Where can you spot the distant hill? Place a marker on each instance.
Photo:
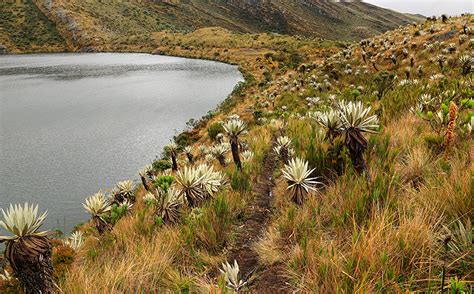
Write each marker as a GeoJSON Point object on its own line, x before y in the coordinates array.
{"type": "Point", "coordinates": [84, 23]}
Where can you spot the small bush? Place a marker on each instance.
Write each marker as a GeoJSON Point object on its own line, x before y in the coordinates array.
{"type": "Point", "coordinates": [257, 114]}
{"type": "Point", "coordinates": [186, 138]}
{"type": "Point", "coordinates": [116, 213]}
{"type": "Point", "coordinates": [62, 258]}
{"type": "Point", "coordinates": [163, 182]}
{"type": "Point", "coordinates": [435, 143]}
{"type": "Point", "coordinates": [210, 229]}
{"type": "Point", "coordinates": [214, 129]}
{"type": "Point", "coordinates": [268, 55]}
{"type": "Point", "coordinates": [384, 82]}
{"type": "Point", "coordinates": [161, 164]}
{"type": "Point", "coordinates": [295, 59]}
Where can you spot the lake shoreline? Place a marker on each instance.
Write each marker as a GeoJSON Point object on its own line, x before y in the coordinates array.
{"type": "Point", "coordinates": [218, 102]}
{"type": "Point", "coordinates": [242, 57]}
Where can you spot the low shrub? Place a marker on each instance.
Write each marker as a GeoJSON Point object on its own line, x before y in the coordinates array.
{"type": "Point", "coordinates": [62, 257]}
{"type": "Point", "coordinates": [161, 164]}
{"type": "Point", "coordinates": [163, 182]}
{"type": "Point", "coordinates": [209, 228]}
{"type": "Point", "coordinates": [214, 129]}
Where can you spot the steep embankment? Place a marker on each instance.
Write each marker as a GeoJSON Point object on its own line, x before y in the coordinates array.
{"type": "Point", "coordinates": [91, 24]}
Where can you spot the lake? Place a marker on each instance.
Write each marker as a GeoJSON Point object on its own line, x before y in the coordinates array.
{"type": "Point", "coordinates": [71, 124]}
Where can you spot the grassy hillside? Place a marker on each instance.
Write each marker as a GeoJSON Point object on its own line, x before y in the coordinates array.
{"type": "Point", "coordinates": [89, 24]}
{"type": "Point", "coordinates": [24, 28]}
{"type": "Point", "coordinates": [381, 202]}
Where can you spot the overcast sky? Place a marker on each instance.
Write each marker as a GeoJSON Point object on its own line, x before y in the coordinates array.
{"type": "Point", "coordinates": [428, 7]}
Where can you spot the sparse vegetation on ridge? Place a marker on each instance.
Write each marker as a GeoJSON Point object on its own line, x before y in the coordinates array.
{"type": "Point", "coordinates": [47, 25]}
{"type": "Point", "coordinates": [393, 152]}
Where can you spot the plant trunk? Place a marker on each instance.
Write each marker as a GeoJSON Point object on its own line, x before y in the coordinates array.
{"type": "Point", "coordinates": [447, 239]}
{"type": "Point", "coordinates": [30, 259]}
{"type": "Point", "coordinates": [190, 200]}
{"type": "Point", "coordinates": [234, 144]}
{"type": "Point", "coordinates": [358, 161]}
{"type": "Point", "coordinates": [175, 164]}
{"type": "Point", "coordinates": [298, 194]}
{"type": "Point", "coordinates": [357, 144]}
{"type": "Point", "coordinates": [222, 161]}
{"type": "Point", "coordinates": [375, 66]}
{"type": "Point", "coordinates": [284, 155]}
{"type": "Point", "coordinates": [190, 158]}
{"type": "Point", "coordinates": [145, 185]}
{"type": "Point", "coordinates": [100, 225]}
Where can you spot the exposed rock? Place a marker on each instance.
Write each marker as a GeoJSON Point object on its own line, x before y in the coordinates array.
{"type": "Point", "coordinates": [69, 23]}
{"type": "Point", "coordinates": [3, 49]}
{"type": "Point", "coordinates": [89, 49]}
{"type": "Point", "coordinates": [48, 4]}
{"type": "Point", "coordinates": [444, 36]}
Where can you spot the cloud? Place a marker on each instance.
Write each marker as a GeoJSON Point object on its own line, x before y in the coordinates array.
{"type": "Point", "coordinates": [427, 7]}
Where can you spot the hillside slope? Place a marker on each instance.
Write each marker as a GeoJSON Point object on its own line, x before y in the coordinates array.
{"type": "Point", "coordinates": [376, 137]}
{"type": "Point", "coordinates": [24, 28]}
{"type": "Point", "coordinates": [91, 23]}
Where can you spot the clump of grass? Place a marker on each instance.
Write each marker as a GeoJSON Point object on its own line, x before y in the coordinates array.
{"type": "Point", "coordinates": [448, 191]}
{"type": "Point", "coordinates": [415, 165]}
{"type": "Point", "coordinates": [209, 228]}
{"type": "Point", "coordinates": [268, 248]}
{"type": "Point", "coordinates": [240, 181]}
{"type": "Point", "coordinates": [134, 258]}
{"type": "Point", "coordinates": [320, 263]}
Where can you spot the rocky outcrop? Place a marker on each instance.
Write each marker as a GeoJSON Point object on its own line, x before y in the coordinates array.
{"type": "Point", "coordinates": [65, 23]}
{"type": "Point", "coordinates": [3, 49]}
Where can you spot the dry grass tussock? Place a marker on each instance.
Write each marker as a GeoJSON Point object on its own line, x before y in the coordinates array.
{"type": "Point", "coordinates": [129, 265]}
{"type": "Point", "coordinates": [268, 248]}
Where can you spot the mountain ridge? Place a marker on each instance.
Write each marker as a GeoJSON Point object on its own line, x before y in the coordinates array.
{"type": "Point", "coordinates": [91, 23]}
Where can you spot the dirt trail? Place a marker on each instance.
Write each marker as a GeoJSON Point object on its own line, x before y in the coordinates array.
{"type": "Point", "coordinates": [268, 279]}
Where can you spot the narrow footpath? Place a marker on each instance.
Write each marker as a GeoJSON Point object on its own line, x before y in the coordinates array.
{"type": "Point", "coordinates": [264, 279]}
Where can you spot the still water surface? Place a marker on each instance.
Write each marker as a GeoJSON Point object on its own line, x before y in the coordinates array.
{"type": "Point", "coordinates": [71, 124]}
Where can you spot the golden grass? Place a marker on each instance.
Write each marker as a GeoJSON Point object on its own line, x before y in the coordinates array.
{"type": "Point", "coordinates": [268, 248]}
{"type": "Point", "coordinates": [451, 192]}
{"type": "Point", "coordinates": [415, 165]}
{"type": "Point", "coordinates": [132, 264]}
{"type": "Point", "coordinates": [381, 236]}
{"type": "Point", "coordinates": [405, 132]}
